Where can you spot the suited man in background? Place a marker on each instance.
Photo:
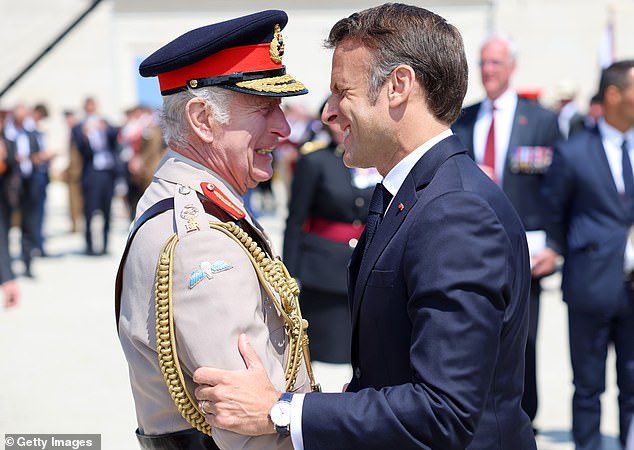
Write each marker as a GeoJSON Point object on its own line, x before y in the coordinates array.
{"type": "Point", "coordinates": [41, 168]}
{"type": "Point", "coordinates": [9, 179]}
{"type": "Point", "coordinates": [96, 141]}
{"type": "Point", "coordinates": [589, 190]}
{"type": "Point", "coordinates": [514, 149]}
{"type": "Point", "coordinates": [21, 135]}
{"type": "Point", "coordinates": [439, 274]}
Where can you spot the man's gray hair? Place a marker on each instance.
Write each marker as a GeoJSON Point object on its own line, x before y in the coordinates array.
{"type": "Point", "coordinates": [173, 114]}
{"type": "Point", "coordinates": [511, 44]}
{"type": "Point", "coordinates": [397, 34]}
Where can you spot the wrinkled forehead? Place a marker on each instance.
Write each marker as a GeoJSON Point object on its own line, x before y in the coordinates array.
{"type": "Point", "coordinates": [351, 62]}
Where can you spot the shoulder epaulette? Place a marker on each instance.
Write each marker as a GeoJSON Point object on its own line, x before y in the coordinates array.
{"type": "Point", "coordinates": [312, 146]}
{"type": "Point", "coordinates": [214, 194]}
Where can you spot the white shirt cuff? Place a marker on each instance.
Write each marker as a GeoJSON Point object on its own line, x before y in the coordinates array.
{"type": "Point", "coordinates": [629, 257]}
{"type": "Point", "coordinates": [297, 404]}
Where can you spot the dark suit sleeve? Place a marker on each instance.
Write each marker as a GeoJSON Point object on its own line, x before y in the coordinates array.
{"type": "Point", "coordinates": [459, 269]}
{"type": "Point", "coordinates": [6, 272]}
{"type": "Point", "coordinates": [557, 188]}
{"type": "Point", "coordinates": [551, 128]}
{"type": "Point", "coordinates": [463, 127]}
{"type": "Point", "coordinates": [303, 190]}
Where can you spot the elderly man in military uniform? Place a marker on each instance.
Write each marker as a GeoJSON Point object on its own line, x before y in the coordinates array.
{"type": "Point", "coordinates": [197, 270]}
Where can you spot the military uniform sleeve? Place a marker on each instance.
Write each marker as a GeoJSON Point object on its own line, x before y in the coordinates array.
{"type": "Point", "coordinates": [217, 296]}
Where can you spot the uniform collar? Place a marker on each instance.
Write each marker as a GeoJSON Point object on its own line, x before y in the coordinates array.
{"type": "Point", "coordinates": [178, 169]}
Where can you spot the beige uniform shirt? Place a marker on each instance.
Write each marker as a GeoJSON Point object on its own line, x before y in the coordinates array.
{"type": "Point", "coordinates": [208, 315]}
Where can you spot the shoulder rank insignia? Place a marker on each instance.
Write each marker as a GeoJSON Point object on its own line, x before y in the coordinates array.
{"type": "Point", "coordinates": [312, 146]}
{"type": "Point", "coordinates": [221, 200]}
{"type": "Point", "coordinates": [207, 269]}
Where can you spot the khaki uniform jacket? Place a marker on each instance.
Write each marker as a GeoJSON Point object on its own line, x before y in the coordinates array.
{"type": "Point", "coordinates": [208, 315]}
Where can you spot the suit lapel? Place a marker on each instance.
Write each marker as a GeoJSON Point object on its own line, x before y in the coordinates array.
{"type": "Point", "coordinates": [362, 263]}
{"type": "Point", "coordinates": [353, 268]}
{"type": "Point", "coordinates": [600, 162]}
{"type": "Point", "coordinates": [470, 116]}
{"type": "Point", "coordinates": [518, 132]}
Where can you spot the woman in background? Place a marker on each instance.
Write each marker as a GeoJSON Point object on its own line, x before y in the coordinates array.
{"type": "Point", "coordinates": [327, 211]}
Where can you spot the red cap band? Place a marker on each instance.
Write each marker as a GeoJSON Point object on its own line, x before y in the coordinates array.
{"type": "Point", "coordinates": [248, 58]}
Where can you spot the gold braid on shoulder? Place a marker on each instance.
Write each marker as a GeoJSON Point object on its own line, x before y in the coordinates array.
{"type": "Point", "coordinates": [278, 284]}
{"type": "Point", "coordinates": [166, 341]}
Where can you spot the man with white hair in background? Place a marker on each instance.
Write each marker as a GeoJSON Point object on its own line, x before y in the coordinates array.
{"type": "Point", "coordinates": [511, 138]}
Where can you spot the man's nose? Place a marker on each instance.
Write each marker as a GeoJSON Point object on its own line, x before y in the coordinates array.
{"type": "Point", "coordinates": [280, 125]}
{"type": "Point", "coordinates": [329, 114]}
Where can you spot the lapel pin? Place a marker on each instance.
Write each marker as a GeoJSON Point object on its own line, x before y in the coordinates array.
{"type": "Point", "coordinates": [400, 207]}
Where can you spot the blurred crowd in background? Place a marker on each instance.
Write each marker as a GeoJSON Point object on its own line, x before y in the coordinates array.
{"type": "Point", "coordinates": [129, 153]}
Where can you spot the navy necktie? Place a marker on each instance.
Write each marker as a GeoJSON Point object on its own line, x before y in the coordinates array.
{"type": "Point", "coordinates": [628, 179]}
{"type": "Point", "coordinates": [378, 204]}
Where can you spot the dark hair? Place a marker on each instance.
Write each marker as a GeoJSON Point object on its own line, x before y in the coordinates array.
{"type": "Point", "coordinates": [41, 109]}
{"type": "Point", "coordinates": [403, 34]}
{"type": "Point", "coordinates": [615, 75]}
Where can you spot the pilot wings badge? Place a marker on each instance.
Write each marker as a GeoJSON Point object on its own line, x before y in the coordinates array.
{"type": "Point", "coordinates": [207, 269]}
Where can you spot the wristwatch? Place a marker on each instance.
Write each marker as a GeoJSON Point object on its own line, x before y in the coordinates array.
{"type": "Point", "coordinates": [280, 414]}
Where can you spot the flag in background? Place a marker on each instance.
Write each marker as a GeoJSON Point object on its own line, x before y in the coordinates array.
{"type": "Point", "coordinates": [606, 46]}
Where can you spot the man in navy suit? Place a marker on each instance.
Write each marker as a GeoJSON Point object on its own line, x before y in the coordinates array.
{"type": "Point", "coordinates": [511, 138]}
{"type": "Point", "coordinates": [439, 295]}
{"type": "Point", "coordinates": [96, 141]}
{"type": "Point", "coordinates": [9, 179]}
{"type": "Point", "coordinates": [589, 190]}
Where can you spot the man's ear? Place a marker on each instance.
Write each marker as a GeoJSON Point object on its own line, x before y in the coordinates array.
{"type": "Point", "coordinates": [612, 94]}
{"type": "Point", "coordinates": [200, 119]}
{"type": "Point", "coordinates": [400, 85]}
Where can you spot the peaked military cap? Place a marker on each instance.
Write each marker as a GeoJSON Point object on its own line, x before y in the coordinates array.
{"type": "Point", "coordinates": [242, 54]}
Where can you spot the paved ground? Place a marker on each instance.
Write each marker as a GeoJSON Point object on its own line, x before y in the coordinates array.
{"type": "Point", "coordinates": [63, 371]}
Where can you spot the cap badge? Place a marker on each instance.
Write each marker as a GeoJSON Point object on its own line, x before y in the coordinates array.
{"type": "Point", "coordinates": [277, 45]}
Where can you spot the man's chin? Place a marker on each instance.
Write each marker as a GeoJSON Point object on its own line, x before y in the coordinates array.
{"type": "Point", "coordinates": [349, 160]}
{"type": "Point", "coordinates": [262, 176]}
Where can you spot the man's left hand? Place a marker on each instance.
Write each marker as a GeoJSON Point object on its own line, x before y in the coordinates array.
{"type": "Point", "coordinates": [544, 263]}
{"type": "Point", "coordinates": [238, 400]}
{"type": "Point", "coordinates": [11, 294]}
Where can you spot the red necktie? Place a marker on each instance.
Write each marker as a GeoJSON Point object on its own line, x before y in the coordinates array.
{"type": "Point", "coordinates": [489, 149]}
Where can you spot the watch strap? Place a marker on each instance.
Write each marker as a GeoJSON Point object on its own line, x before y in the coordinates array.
{"type": "Point", "coordinates": [284, 430]}
{"type": "Point", "coordinates": [286, 397]}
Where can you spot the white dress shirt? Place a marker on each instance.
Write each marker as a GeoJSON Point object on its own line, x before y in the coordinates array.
{"type": "Point", "coordinates": [505, 106]}
{"type": "Point", "coordinates": [612, 141]}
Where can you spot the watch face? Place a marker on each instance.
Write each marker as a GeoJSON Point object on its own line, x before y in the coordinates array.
{"type": "Point", "coordinates": [281, 414]}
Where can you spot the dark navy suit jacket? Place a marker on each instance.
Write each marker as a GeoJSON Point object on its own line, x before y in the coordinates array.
{"type": "Point", "coordinates": [85, 150]}
{"type": "Point", "coordinates": [588, 223]}
{"type": "Point", "coordinates": [533, 127]}
{"type": "Point", "coordinates": [439, 309]}
{"type": "Point", "coordinates": [9, 186]}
